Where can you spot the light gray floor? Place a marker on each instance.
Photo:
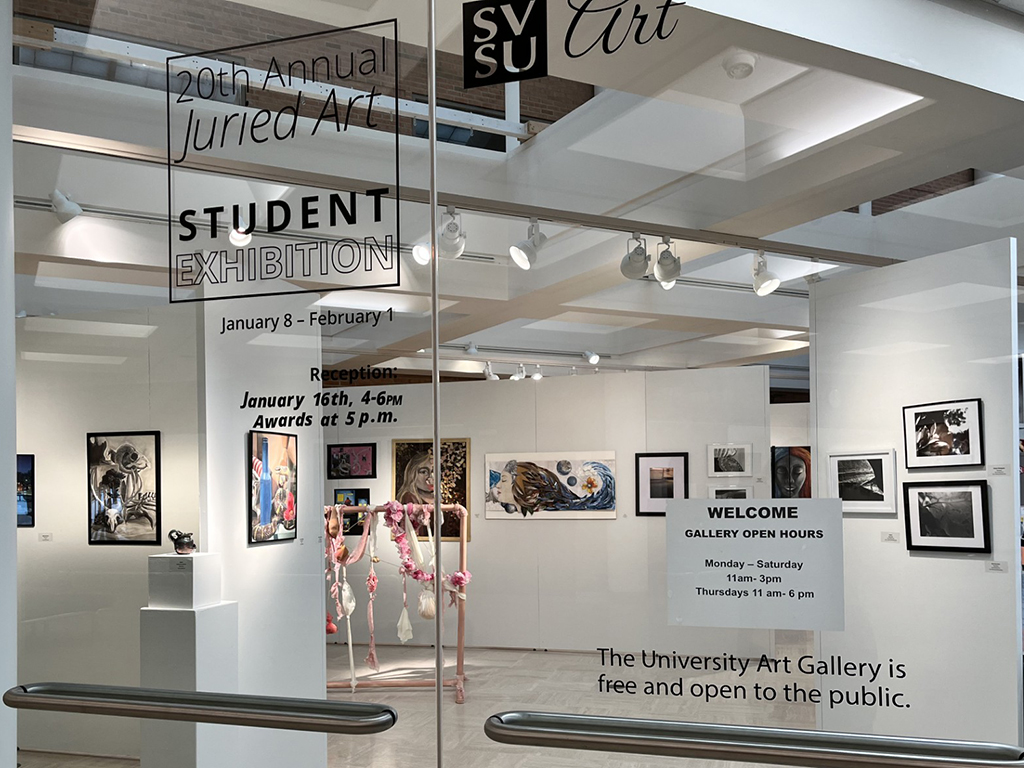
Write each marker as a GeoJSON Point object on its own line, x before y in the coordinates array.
{"type": "Point", "coordinates": [505, 680]}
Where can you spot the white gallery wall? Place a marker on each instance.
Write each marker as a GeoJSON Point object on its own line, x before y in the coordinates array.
{"type": "Point", "coordinates": [278, 585]}
{"type": "Point", "coordinates": [567, 584]}
{"type": "Point", "coordinates": [939, 328]}
{"type": "Point", "coordinates": [79, 604]}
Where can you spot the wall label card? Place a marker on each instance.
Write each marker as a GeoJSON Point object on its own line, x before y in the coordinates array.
{"type": "Point", "coordinates": [756, 564]}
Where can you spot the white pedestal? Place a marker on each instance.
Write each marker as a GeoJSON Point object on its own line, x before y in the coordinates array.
{"type": "Point", "coordinates": [188, 648]}
{"type": "Point", "coordinates": [184, 581]}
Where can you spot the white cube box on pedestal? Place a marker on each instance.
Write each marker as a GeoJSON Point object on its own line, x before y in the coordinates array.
{"type": "Point", "coordinates": [184, 581]}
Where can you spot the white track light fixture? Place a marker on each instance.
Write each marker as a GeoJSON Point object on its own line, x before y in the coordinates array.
{"type": "Point", "coordinates": [64, 207]}
{"type": "Point", "coordinates": [489, 373]}
{"type": "Point", "coordinates": [524, 253]}
{"type": "Point", "coordinates": [668, 267]}
{"type": "Point", "coordinates": [520, 373]}
{"type": "Point", "coordinates": [635, 262]}
{"type": "Point", "coordinates": [537, 375]}
{"type": "Point", "coordinates": [451, 240]}
{"type": "Point", "coordinates": [765, 281]}
{"type": "Point", "coordinates": [471, 349]}
{"type": "Point", "coordinates": [591, 357]}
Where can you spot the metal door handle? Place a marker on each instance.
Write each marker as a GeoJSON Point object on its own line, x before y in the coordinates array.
{"type": "Point", "coordinates": [782, 746]}
{"type": "Point", "coordinates": [197, 707]}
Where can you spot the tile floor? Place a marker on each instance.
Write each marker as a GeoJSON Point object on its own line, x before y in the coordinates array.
{"type": "Point", "coordinates": [501, 680]}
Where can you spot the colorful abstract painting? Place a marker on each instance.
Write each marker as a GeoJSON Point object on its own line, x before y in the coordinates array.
{"type": "Point", "coordinates": [352, 461]}
{"type": "Point", "coordinates": [553, 486]}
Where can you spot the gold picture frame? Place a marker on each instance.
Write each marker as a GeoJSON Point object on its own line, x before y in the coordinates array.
{"type": "Point", "coordinates": [455, 460]}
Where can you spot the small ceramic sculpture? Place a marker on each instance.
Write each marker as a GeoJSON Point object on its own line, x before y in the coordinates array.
{"type": "Point", "coordinates": [183, 543]}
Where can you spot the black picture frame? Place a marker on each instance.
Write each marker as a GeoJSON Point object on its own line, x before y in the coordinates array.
{"type": "Point", "coordinates": [352, 522]}
{"type": "Point", "coordinates": [336, 473]}
{"type": "Point", "coordinates": [250, 528]}
{"type": "Point", "coordinates": [26, 468]}
{"type": "Point", "coordinates": [974, 459]}
{"type": "Point", "coordinates": [919, 542]}
{"type": "Point", "coordinates": [148, 504]}
{"type": "Point", "coordinates": [644, 506]}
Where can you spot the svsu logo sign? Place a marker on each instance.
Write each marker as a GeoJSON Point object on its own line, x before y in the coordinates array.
{"type": "Point", "coordinates": [504, 42]}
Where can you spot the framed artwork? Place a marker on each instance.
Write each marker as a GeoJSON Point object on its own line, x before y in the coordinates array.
{"type": "Point", "coordinates": [730, 492]}
{"type": "Point", "coordinates": [944, 435]}
{"type": "Point", "coordinates": [730, 460]}
{"type": "Point", "coordinates": [123, 471]}
{"type": "Point", "coordinates": [866, 482]}
{"type": "Point", "coordinates": [947, 516]}
{"type": "Point", "coordinates": [26, 495]}
{"type": "Point", "coordinates": [352, 522]}
{"type": "Point", "coordinates": [352, 461]}
{"type": "Point", "coordinates": [660, 477]}
{"type": "Point", "coordinates": [552, 486]}
{"type": "Point", "coordinates": [412, 477]}
{"type": "Point", "coordinates": [272, 470]}
{"type": "Point", "coordinates": [791, 472]}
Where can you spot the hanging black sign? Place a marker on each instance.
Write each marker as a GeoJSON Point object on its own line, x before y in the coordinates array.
{"type": "Point", "coordinates": [504, 42]}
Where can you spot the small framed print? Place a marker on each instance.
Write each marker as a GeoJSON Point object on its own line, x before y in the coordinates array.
{"type": "Point", "coordinates": [948, 516]}
{"type": "Point", "coordinates": [730, 460]}
{"type": "Point", "coordinates": [660, 477]}
{"type": "Point", "coordinates": [730, 492]}
{"type": "Point", "coordinates": [864, 481]}
{"type": "Point", "coordinates": [352, 461]}
{"type": "Point", "coordinates": [26, 506]}
{"type": "Point", "coordinates": [944, 435]}
{"type": "Point", "coordinates": [352, 522]}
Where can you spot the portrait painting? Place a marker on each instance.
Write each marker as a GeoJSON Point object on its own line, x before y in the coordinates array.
{"type": "Point", "coordinates": [413, 482]}
{"type": "Point", "coordinates": [791, 472]}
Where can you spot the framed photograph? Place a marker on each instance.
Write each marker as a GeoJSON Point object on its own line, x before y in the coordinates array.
{"type": "Point", "coordinates": [412, 477]}
{"type": "Point", "coordinates": [730, 492]}
{"type": "Point", "coordinates": [352, 522]}
{"type": "Point", "coordinates": [124, 487]}
{"type": "Point", "coordinates": [659, 478]}
{"type": "Point", "coordinates": [944, 435]}
{"type": "Point", "coordinates": [791, 472]}
{"type": "Point", "coordinates": [864, 481]}
{"type": "Point", "coordinates": [26, 497]}
{"type": "Point", "coordinates": [575, 485]}
{"type": "Point", "coordinates": [352, 461]}
{"type": "Point", "coordinates": [730, 460]}
{"type": "Point", "coordinates": [272, 470]}
{"type": "Point", "coordinates": [948, 516]}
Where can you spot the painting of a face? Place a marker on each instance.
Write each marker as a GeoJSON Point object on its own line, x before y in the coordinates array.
{"type": "Point", "coordinates": [791, 473]}
{"type": "Point", "coordinates": [414, 481]}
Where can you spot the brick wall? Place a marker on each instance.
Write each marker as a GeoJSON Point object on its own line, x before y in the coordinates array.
{"type": "Point", "coordinates": [195, 25]}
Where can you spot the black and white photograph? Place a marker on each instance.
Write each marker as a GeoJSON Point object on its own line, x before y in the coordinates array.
{"type": "Point", "coordinates": [730, 492]}
{"type": "Point", "coordinates": [943, 435]}
{"type": "Point", "coordinates": [864, 481]}
{"type": "Point", "coordinates": [124, 487]}
{"type": "Point", "coordinates": [730, 460]}
{"type": "Point", "coordinates": [660, 477]}
{"type": "Point", "coordinates": [950, 516]}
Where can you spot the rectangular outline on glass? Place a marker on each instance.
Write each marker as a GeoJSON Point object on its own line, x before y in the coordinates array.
{"type": "Point", "coordinates": [398, 179]}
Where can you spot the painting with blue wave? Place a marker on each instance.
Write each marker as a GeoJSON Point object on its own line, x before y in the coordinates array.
{"type": "Point", "coordinates": [551, 485]}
